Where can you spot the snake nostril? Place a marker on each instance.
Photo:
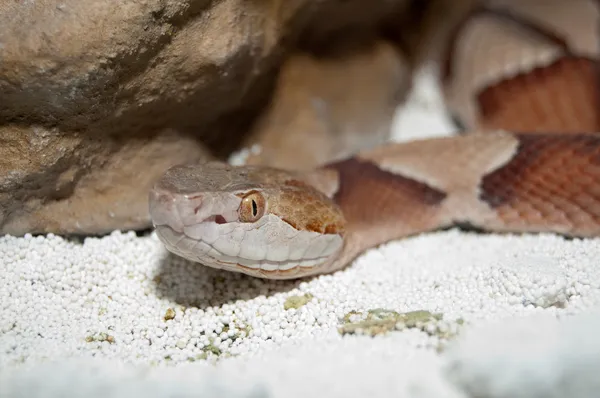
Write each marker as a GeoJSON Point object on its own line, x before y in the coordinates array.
{"type": "Point", "coordinates": [158, 197]}
{"type": "Point", "coordinates": [162, 209]}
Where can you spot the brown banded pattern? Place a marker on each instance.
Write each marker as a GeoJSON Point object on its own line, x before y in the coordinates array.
{"type": "Point", "coordinates": [526, 66]}
{"type": "Point", "coordinates": [376, 202]}
{"type": "Point", "coordinates": [521, 103]}
{"type": "Point", "coordinates": [552, 183]}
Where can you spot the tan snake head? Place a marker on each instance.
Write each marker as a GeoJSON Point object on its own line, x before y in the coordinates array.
{"type": "Point", "coordinates": [259, 221]}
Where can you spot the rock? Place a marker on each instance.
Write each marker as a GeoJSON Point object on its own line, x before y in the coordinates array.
{"type": "Point", "coordinates": [76, 184]}
{"type": "Point", "coordinates": [98, 98]}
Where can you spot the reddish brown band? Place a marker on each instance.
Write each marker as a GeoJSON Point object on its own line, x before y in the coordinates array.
{"type": "Point", "coordinates": [372, 198]}
{"type": "Point", "coordinates": [522, 103]}
{"type": "Point", "coordinates": [552, 183]}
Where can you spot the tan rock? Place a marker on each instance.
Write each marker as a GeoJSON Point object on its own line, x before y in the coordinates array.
{"type": "Point", "coordinates": [98, 98]}
{"type": "Point", "coordinates": [72, 183]}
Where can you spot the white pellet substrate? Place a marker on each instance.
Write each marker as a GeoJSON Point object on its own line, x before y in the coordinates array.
{"type": "Point", "coordinates": [119, 316]}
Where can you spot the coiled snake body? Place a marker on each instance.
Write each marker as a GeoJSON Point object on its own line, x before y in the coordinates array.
{"type": "Point", "coordinates": [525, 82]}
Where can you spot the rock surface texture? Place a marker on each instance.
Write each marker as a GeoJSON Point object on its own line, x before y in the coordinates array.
{"type": "Point", "coordinates": [98, 98]}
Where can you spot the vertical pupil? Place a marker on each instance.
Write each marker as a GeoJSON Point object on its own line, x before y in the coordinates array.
{"type": "Point", "coordinates": [254, 208]}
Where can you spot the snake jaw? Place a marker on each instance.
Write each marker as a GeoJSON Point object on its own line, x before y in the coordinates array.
{"type": "Point", "coordinates": [270, 248]}
{"type": "Point", "coordinates": [257, 221]}
{"type": "Point", "coordinates": [205, 228]}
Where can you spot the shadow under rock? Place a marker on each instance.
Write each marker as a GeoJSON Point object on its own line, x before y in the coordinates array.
{"type": "Point", "coordinates": [195, 285]}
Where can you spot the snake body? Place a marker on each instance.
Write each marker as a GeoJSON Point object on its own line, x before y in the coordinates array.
{"type": "Point", "coordinates": [525, 82]}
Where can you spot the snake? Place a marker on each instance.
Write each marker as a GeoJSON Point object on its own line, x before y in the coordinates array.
{"type": "Point", "coordinates": [523, 78]}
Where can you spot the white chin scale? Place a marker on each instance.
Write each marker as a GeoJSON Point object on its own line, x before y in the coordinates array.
{"type": "Point", "coordinates": [268, 245]}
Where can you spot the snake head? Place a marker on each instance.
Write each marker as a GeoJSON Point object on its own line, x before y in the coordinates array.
{"type": "Point", "coordinates": [255, 220]}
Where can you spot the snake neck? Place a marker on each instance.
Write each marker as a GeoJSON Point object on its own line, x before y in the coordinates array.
{"type": "Point", "coordinates": [379, 205]}
{"type": "Point", "coordinates": [494, 181]}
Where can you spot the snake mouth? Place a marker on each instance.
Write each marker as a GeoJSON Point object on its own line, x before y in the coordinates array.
{"type": "Point", "coordinates": [214, 238]}
{"type": "Point", "coordinates": [245, 251]}
{"type": "Point", "coordinates": [203, 224]}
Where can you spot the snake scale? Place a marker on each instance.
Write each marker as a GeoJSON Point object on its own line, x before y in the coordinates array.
{"type": "Point", "coordinates": [526, 86]}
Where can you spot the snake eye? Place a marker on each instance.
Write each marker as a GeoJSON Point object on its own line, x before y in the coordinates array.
{"type": "Point", "coordinates": [252, 207]}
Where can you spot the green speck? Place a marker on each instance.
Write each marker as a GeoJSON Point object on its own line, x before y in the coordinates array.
{"type": "Point", "coordinates": [414, 318]}
{"type": "Point", "coordinates": [297, 301]}
{"type": "Point", "coordinates": [246, 330]}
{"type": "Point", "coordinates": [169, 314]}
{"type": "Point", "coordinates": [100, 337]}
{"type": "Point", "coordinates": [380, 321]}
{"type": "Point", "coordinates": [199, 357]}
{"type": "Point", "coordinates": [213, 349]}
{"type": "Point", "coordinates": [382, 313]}
{"type": "Point", "coordinates": [346, 318]}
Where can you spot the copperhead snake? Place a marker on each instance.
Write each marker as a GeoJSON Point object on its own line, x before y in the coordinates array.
{"type": "Point", "coordinates": [525, 83]}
